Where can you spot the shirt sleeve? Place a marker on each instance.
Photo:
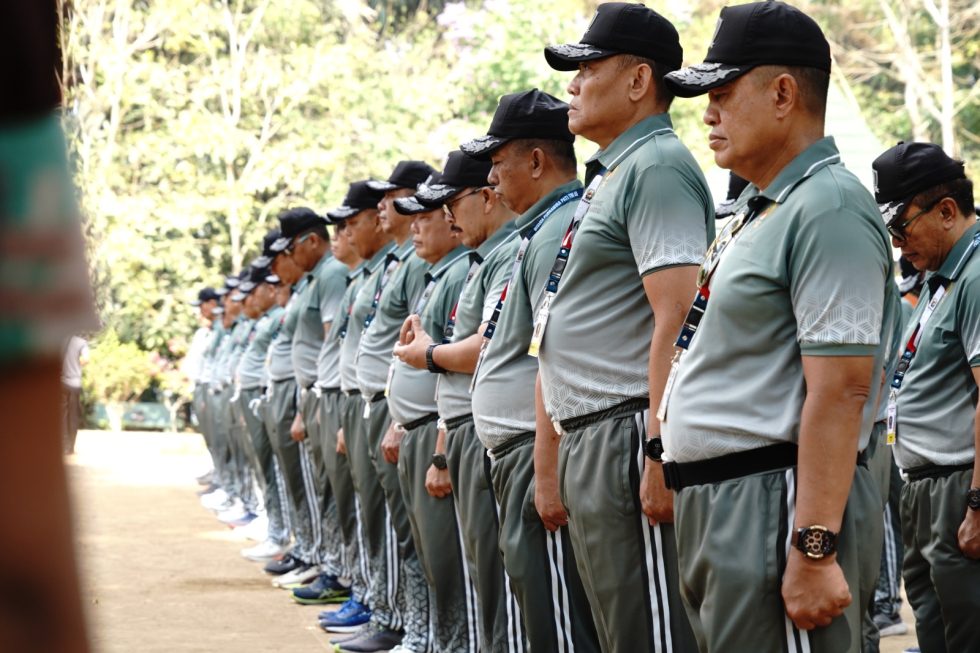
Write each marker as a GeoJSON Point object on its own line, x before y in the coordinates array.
{"type": "Point", "coordinates": [838, 266]}
{"type": "Point", "coordinates": [665, 220]}
{"type": "Point", "coordinates": [968, 319]}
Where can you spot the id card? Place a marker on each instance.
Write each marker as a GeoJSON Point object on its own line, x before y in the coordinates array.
{"type": "Point", "coordinates": [391, 374]}
{"type": "Point", "coordinates": [891, 420]}
{"type": "Point", "coordinates": [668, 387]}
{"type": "Point", "coordinates": [540, 322]}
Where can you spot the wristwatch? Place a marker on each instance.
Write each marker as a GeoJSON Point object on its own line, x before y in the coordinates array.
{"type": "Point", "coordinates": [653, 448]}
{"type": "Point", "coordinates": [430, 364]}
{"type": "Point", "coordinates": [973, 498]}
{"type": "Point", "coordinates": [816, 542]}
{"type": "Point", "coordinates": [439, 460]}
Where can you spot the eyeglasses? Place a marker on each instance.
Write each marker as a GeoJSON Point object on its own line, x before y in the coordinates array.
{"type": "Point", "coordinates": [292, 246]}
{"type": "Point", "coordinates": [448, 206]}
{"type": "Point", "coordinates": [898, 230]}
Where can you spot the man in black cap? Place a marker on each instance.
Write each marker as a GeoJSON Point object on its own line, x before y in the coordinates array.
{"type": "Point", "coordinates": [631, 252]}
{"type": "Point", "coordinates": [774, 391]}
{"type": "Point", "coordinates": [403, 182]}
{"type": "Point", "coordinates": [305, 240]}
{"type": "Point", "coordinates": [431, 525]}
{"type": "Point", "coordinates": [193, 367]}
{"type": "Point", "coordinates": [373, 245]}
{"type": "Point", "coordinates": [459, 463]}
{"type": "Point", "coordinates": [534, 177]}
{"type": "Point", "coordinates": [933, 409]}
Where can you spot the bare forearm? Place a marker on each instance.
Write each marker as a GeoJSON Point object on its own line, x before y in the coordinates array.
{"type": "Point", "coordinates": [459, 356]}
{"type": "Point", "coordinates": [830, 427]}
{"type": "Point", "coordinates": [976, 437]}
{"type": "Point", "coordinates": [545, 442]}
{"type": "Point", "coordinates": [440, 441]}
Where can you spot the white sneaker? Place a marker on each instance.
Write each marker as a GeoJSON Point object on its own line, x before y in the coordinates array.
{"type": "Point", "coordinates": [297, 577]}
{"type": "Point", "coordinates": [401, 649]}
{"type": "Point", "coordinates": [235, 512]}
{"type": "Point", "coordinates": [264, 551]}
{"type": "Point", "coordinates": [215, 499]}
{"type": "Point", "coordinates": [256, 530]}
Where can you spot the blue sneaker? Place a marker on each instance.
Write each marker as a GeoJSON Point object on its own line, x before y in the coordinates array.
{"type": "Point", "coordinates": [325, 589]}
{"type": "Point", "coordinates": [348, 619]}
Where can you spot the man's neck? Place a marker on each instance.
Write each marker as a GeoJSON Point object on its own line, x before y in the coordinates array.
{"type": "Point", "coordinates": [613, 132]}
{"type": "Point", "coordinates": [545, 186]}
{"type": "Point", "coordinates": [403, 235]}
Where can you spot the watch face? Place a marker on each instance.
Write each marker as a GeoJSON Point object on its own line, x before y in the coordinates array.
{"type": "Point", "coordinates": [973, 498]}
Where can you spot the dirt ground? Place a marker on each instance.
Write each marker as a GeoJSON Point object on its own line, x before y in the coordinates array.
{"type": "Point", "coordinates": [160, 574]}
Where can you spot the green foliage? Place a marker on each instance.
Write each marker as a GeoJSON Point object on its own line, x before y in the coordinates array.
{"type": "Point", "coordinates": [116, 371]}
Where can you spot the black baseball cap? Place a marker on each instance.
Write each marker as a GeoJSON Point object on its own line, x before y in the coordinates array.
{"type": "Point", "coordinates": [360, 196]}
{"type": "Point", "coordinates": [231, 282]}
{"type": "Point", "coordinates": [258, 270]}
{"type": "Point", "coordinates": [755, 34]}
{"type": "Point", "coordinates": [621, 28]}
{"type": "Point", "coordinates": [294, 222]}
{"type": "Point", "coordinates": [268, 240]}
{"type": "Point", "coordinates": [205, 295]}
{"type": "Point", "coordinates": [459, 173]}
{"type": "Point", "coordinates": [407, 174]}
{"type": "Point", "coordinates": [529, 114]}
{"type": "Point", "coordinates": [412, 206]}
{"type": "Point", "coordinates": [907, 169]}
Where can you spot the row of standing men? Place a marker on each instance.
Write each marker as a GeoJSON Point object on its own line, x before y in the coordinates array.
{"type": "Point", "coordinates": [448, 403]}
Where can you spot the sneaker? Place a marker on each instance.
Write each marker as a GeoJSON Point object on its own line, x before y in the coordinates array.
{"type": "Point", "coordinates": [325, 589]}
{"type": "Point", "coordinates": [264, 551]}
{"type": "Point", "coordinates": [245, 519]}
{"type": "Point", "coordinates": [889, 625]}
{"type": "Point", "coordinates": [208, 489]}
{"type": "Point", "coordinates": [215, 500]}
{"type": "Point", "coordinates": [206, 478]}
{"type": "Point", "coordinates": [363, 631]}
{"type": "Point", "coordinates": [402, 649]}
{"type": "Point", "coordinates": [257, 529]}
{"type": "Point", "coordinates": [284, 565]}
{"type": "Point", "coordinates": [912, 649]}
{"type": "Point", "coordinates": [235, 511]}
{"type": "Point", "coordinates": [297, 577]}
{"type": "Point", "coordinates": [383, 639]}
{"type": "Point", "coordinates": [348, 619]}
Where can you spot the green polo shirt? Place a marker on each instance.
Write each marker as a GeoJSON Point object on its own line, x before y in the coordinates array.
{"type": "Point", "coordinates": [218, 332]}
{"type": "Point", "coordinates": [346, 371]}
{"type": "Point", "coordinates": [325, 287]}
{"type": "Point", "coordinates": [494, 259]}
{"type": "Point", "coordinates": [503, 397]}
{"type": "Point", "coordinates": [811, 276]}
{"type": "Point", "coordinates": [227, 351]}
{"type": "Point", "coordinates": [937, 402]}
{"type": "Point", "coordinates": [373, 268]}
{"type": "Point", "coordinates": [251, 367]}
{"type": "Point", "coordinates": [413, 392]}
{"type": "Point", "coordinates": [328, 361]}
{"type": "Point", "coordinates": [394, 305]}
{"type": "Point", "coordinates": [280, 351]}
{"type": "Point", "coordinates": [241, 335]}
{"type": "Point", "coordinates": [652, 211]}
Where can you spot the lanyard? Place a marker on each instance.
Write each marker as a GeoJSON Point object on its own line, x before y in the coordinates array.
{"type": "Point", "coordinates": [430, 286]}
{"type": "Point", "coordinates": [522, 252]}
{"type": "Point", "coordinates": [342, 331]}
{"type": "Point", "coordinates": [912, 346]}
{"type": "Point", "coordinates": [390, 267]}
{"type": "Point", "coordinates": [757, 206]}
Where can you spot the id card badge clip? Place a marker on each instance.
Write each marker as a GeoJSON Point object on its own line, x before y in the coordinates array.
{"type": "Point", "coordinates": [669, 386]}
{"type": "Point", "coordinates": [540, 322]}
{"type": "Point", "coordinates": [367, 408]}
{"type": "Point", "coordinates": [891, 420]}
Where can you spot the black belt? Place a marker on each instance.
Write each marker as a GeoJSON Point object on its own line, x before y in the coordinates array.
{"type": "Point", "coordinates": [415, 423]}
{"type": "Point", "coordinates": [456, 422]}
{"type": "Point", "coordinates": [935, 471]}
{"type": "Point", "coordinates": [511, 444]}
{"type": "Point", "coordinates": [678, 476]}
{"type": "Point", "coordinates": [376, 397]}
{"type": "Point", "coordinates": [351, 393]}
{"type": "Point", "coordinates": [330, 391]}
{"type": "Point", "coordinates": [628, 407]}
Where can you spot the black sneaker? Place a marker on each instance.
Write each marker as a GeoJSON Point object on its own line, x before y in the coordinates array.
{"type": "Point", "coordinates": [283, 566]}
{"type": "Point", "coordinates": [383, 639]}
{"type": "Point", "coordinates": [325, 589]}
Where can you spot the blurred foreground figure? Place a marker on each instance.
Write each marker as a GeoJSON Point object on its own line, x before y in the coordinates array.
{"type": "Point", "coordinates": [45, 297]}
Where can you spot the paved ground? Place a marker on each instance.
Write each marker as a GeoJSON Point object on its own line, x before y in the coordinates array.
{"type": "Point", "coordinates": [161, 574]}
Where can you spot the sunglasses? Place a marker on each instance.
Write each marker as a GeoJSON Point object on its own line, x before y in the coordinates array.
{"type": "Point", "coordinates": [448, 206]}
{"type": "Point", "coordinates": [897, 230]}
{"type": "Point", "coordinates": [292, 246]}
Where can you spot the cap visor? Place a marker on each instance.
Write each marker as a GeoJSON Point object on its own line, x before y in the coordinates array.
{"type": "Point", "coordinates": [272, 279]}
{"type": "Point", "coordinates": [436, 194]}
{"type": "Point", "coordinates": [890, 211]}
{"type": "Point", "coordinates": [262, 262]}
{"type": "Point", "coordinates": [383, 186]}
{"type": "Point", "coordinates": [217, 310]}
{"type": "Point", "coordinates": [482, 147]}
{"type": "Point", "coordinates": [341, 213]}
{"type": "Point", "coordinates": [221, 292]}
{"type": "Point", "coordinates": [246, 287]}
{"type": "Point", "coordinates": [279, 245]}
{"type": "Point", "coordinates": [698, 80]}
{"type": "Point", "coordinates": [196, 302]}
{"type": "Point", "coordinates": [411, 206]}
{"type": "Point", "coordinates": [567, 56]}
